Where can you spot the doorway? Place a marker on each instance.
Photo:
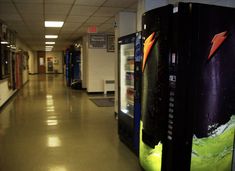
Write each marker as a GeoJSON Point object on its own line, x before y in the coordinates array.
{"type": "Point", "coordinates": [41, 62]}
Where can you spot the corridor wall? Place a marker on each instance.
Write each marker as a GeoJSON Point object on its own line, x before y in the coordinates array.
{"type": "Point", "coordinates": [98, 66]}
{"type": "Point", "coordinates": [6, 91]}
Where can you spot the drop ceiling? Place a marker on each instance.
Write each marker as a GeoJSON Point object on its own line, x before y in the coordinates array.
{"type": "Point", "coordinates": [27, 17]}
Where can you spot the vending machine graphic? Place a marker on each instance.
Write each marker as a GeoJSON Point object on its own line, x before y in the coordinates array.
{"type": "Point", "coordinates": [196, 130]}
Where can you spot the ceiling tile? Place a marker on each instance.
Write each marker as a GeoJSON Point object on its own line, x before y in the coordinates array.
{"type": "Point", "coordinates": [33, 18]}
{"type": "Point", "coordinates": [68, 30]}
{"type": "Point", "coordinates": [24, 34]}
{"type": "Point", "coordinates": [10, 17]}
{"type": "Point", "coordinates": [134, 6]}
{"type": "Point", "coordinates": [38, 48]}
{"type": "Point", "coordinates": [97, 20]}
{"type": "Point", "coordinates": [107, 11]}
{"type": "Point", "coordinates": [59, 1]}
{"type": "Point", "coordinates": [73, 18]}
{"type": "Point", "coordinates": [64, 35]}
{"type": "Point", "coordinates": [83, 10]}
{"type": "Point", "coordinates": [16, 24]}
{"type": "Point", "coordinates": [111, 20]}
{"type": "Point", "coordinates": [82, 29]}
{"type": "Point", "coordinates": [7, 8]}
{"type": "Point", "coordinates": [119, 3]}
{"type": "Point", "coordinates": [57, 9]}
{"type": "Point", "coordinates": [105, 27]}
{"type": "Point", "coordinates": [39, 36]}
{"type": "Point", "coordinates": [72, 25]}
{"type": "Point", "coordinates": [37, 31]}
{"type": "Point", "coordinates": [90, 2]}
{"type": "Point", "coordinates": [28, 1]}
{"type": "Point", "coordinates": [54, 17]}
{"type": "Point", "coordinates": [130, 10]}
{"type": "Point", "coordinates": [30, 8]}
{"type": "Point", "coordinates": [35, 24]}
{"type": "Point", "coordinates": [83, 14]}
{"type": "Point", "coordinates": [52, 30]}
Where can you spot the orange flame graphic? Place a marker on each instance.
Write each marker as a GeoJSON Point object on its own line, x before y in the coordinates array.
{"type": "Point", "coordinates": [147, 47]}
{"type": "Point", "coordinates": [217, 41]}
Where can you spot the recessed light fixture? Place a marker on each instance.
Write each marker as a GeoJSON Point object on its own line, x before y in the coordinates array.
{"type": "Point", "coordinates": [48, 48]}
{"type": "Point", "coordinates": [54, 23]}
{"type": "Point", "coordinates": [51, 36]}
{"type": "Point", "coordinates": [49, 43]}
{"type": "Point", "coordinates": [4, 43]}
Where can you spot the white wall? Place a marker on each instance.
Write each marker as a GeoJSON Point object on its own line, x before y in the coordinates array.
{"type": "Point", "coordinates": [21, 46]}
{"type": "Point", "coordinates": [33, 62]}
{"type": "Point", "coordinates": [25, 77]}
{"type": "Point", "coordinates": [98, 66]}
{"type": "Point", "coordinates": [56, 56]}
{"type": "Point", "coordinates": [5, 92]}
{"type": "Point", "coordinates": [126, 23]}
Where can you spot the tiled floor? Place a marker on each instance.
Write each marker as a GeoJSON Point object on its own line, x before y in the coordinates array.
{"type": "Point", "coordinates": [49, 127]}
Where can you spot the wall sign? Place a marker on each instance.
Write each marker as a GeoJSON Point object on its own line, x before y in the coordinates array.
{"type": "Point", "coordinates": [97, 41]}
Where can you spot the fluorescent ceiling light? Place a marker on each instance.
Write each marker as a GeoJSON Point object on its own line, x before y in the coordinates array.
{"type": "Point", "coordinates": [4, 43]}
{"type": "Point", "coordinates": [51, 36]}
{"type": "Point", "coordinates": [54, 23]}
{"type": "Point", "coordinates": [49, 43]}
{"type": "Point", "coordinates": [48, 49]}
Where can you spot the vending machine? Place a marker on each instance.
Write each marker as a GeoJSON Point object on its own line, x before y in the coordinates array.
{"type": "Point", "coordinates": [73, 68]}
{"type": "Point", "coordinates": [129, 82]}
{"type": "Point", "coordinates": [188, 120]}
{"type": "Point", "coordinates": [67, 67]}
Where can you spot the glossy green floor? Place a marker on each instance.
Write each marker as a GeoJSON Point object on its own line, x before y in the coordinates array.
{"type": "Point", "coordinates": [48, 127]}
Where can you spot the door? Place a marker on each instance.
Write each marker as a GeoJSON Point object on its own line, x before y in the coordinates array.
{"type": "Point", "coordinates": [41, 62]}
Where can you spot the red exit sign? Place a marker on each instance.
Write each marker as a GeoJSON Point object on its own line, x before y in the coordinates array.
{"type": "Point", "coordinates": [92, 29]}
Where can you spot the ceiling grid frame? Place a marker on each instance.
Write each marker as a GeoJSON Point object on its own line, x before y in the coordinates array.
{"type": "Point", "coordinates": [29, 23]}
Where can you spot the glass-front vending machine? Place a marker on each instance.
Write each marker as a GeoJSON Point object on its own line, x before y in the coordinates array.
{"type": "Point", "coordinates": [130, 55]}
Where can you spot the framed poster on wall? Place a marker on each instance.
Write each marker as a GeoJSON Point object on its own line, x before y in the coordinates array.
{"type": "Point", "coordinates": [97, 41]}
{"type": "Point", "coordinates": [110, 43]}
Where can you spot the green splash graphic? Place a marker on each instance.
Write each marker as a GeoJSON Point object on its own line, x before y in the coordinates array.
{"type": "Point", "coordinates": [214, 153]}
{"type": "Point", "coordinates": [209, 154]}
{"type": "Point", "coordinates": [150, 159]}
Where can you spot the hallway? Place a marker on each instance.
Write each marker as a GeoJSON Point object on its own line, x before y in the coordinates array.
{"type": "Point", "coordinates": [49, 127]}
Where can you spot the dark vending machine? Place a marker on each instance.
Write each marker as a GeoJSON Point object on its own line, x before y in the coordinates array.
{"type": "Point", "coordinates": [73, 68]}
{"type": "Point", "coordinates": [154, 101]}
{"type": "Point", "coordinates": [130, 56]}
{"type": "Point", "coordinates": [195, 131]}
{"type": "Point", "coordinates": [67, 69]}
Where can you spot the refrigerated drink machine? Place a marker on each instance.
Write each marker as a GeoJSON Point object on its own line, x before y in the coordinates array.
{"type": "Point", "coordinates": [188, 119]}
{"type": "Point", "coordinates": [130, 55]}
